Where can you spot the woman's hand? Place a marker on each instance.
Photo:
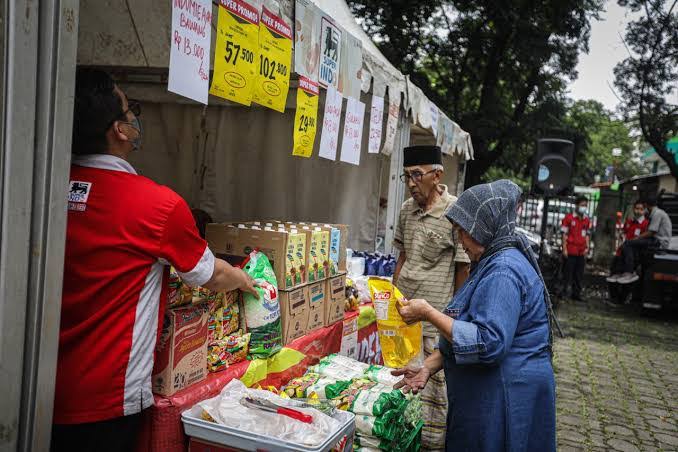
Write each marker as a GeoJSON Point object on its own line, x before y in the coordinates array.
{"type": "Point", "coordinates": [414, 310]}
{"type": "Point", "coordinates": [414, 378]}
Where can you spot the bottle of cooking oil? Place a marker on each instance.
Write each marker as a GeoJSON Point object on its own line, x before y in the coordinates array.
{"type": "Point", "coordinates": [400, 342]}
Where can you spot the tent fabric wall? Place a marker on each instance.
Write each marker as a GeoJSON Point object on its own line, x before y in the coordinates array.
{"type": "Point", "coordinates": [236, 163]}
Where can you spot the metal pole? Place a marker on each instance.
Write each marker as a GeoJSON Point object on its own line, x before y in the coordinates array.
{"type": "Point", "coordinates": [544, 221]}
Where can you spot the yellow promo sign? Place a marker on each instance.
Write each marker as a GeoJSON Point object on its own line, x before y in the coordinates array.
{"type": "Point", "coordinates": [306, 117]}
{"type": "Point", "coordinates": [235, 62]}
{"type": "Point", "coordinates": [275, 56]}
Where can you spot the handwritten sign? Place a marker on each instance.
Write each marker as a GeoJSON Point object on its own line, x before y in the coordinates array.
{"type": "Point", "coordinates": [391, 124]}
{"type": "Point", "coordinates": [353, 131]}
{"type": "Point", "coordinates": [330, 53]}
{"type": "Point", "coordinates": [376, 122]}
{"type": "Point", "coordinates": [306, 117]}
{"type": "Point", "coordinates": [235, 59]}
{"type": "Point", "coordinates": [190, 48]}
{"type": "Point", "coordinates": [331, 119]}
{"type": "Point", "coordinates": [275, 56]}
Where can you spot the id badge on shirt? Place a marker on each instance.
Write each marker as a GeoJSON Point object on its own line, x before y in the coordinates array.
{"type": "Point", "coordinates": [637, 232]}
{"type": "Point", "coordinates": [583, 232]}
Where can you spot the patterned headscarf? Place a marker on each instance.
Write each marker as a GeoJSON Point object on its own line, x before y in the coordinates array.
{"type": "Point", "coordinates": [488, 213]}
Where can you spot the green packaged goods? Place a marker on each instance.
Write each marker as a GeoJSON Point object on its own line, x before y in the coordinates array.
{"type": "Point", "coordinates": [374, 402]}
{"type": "Point", "coordinates": [370, 442]}
{"type": "Point", "coordinates": [382, 375]}
{"type": "Point", "coordinates": [327, 388]}
{"type": "Point", "coordinates": [262, 315]}
{"type": "Point", "coordinates": [384, 427]}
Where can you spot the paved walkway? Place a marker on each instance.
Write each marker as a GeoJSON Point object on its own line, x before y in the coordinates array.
{"type": "Point", "coordinates": [617, 380]}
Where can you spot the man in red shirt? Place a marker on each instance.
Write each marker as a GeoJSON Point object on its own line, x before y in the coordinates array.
{"type": "Point", "coordinates": [576, 229]}
{"type": "Point", "coordinates": [634, 227]}
{"type": "Point", "coordinates": [123, 231]}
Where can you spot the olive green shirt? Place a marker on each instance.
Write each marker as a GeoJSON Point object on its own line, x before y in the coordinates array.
{"type": "Point", "coordinates": [431, 249]}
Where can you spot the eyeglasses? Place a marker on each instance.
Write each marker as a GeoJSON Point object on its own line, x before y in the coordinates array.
{"type": "Point", "coordinates": [416, 176]}
{"type": "Point", "coordinates": [134, 106]}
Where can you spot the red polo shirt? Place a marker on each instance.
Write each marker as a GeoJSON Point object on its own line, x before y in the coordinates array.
{"type": "Point", "coordinates": [633, 228]}
{"type": "Point", "coordinates": [577, 229]}
{"type": "Point", "coordinates": [123, 230]}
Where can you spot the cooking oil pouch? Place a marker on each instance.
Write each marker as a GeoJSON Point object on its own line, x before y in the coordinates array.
{"type": "Point", "coordinates": [262, 315]}
{"type": "Point", "coordinates": [400, 342]}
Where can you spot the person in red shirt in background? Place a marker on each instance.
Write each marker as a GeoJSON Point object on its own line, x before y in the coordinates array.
{"type": "Point", "coordinates": [123, 232]}
{"type": "Point", "coordinates": [634, 226]}
{"type": "Point", "coordinates": [576, 229]}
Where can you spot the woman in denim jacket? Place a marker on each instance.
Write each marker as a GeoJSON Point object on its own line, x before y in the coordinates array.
{"type": "Point", "coordinates": [495, 337]}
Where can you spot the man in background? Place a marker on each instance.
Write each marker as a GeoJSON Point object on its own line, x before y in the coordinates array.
{"type": "Point", "coordinates": [634, 226]}
{"type": "Point", "coordinates": [576, 228]}
{"type": "Point", "coordinates": [657, 235]}
{"type": "Point", "coordinates": [431, 265]}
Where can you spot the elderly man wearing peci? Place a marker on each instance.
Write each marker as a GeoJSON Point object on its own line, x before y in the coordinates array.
{"type": "Point", "coordinates": [430, 265]}
{"type": "Point", "coordinates": [495, 344]}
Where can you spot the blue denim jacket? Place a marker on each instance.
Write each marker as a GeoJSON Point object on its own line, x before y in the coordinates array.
{"type": "Point", "coordinates": [500, 380]}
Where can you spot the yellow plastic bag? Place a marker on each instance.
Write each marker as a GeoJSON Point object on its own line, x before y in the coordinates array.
{"type": "Point", "coordinates": [400, 342]}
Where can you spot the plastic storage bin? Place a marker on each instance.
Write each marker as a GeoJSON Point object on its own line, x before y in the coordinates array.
{"type": "Point", "coordinates": [220, 434]}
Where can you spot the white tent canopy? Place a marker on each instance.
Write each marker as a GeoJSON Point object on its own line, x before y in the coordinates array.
{"type": "Point", "coordinates": [235, 162]}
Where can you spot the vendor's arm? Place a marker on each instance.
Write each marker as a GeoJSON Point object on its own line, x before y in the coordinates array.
{"type": "Point", "coordinates": [494, 312]}
{"type": "Point", "coordinates": [181, 245]}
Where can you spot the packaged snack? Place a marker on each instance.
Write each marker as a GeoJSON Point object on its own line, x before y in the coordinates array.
{"type": "Point", "coordinates": [400, 342]}
{"type": "Point", "coordinates": [230, 319]}
{"type": "Point", "coordinates": [297, 387]}
{"type": "Point", "coordinates": [382, 375]}
{"type": "Point", "coordinates": [174, 289]}
{"type": "Point", "coordinates": [262, 315]}
{"type": "Point", "coordinates": [230, 350]}
{"type": "Point", "coordinates": [215, 330]}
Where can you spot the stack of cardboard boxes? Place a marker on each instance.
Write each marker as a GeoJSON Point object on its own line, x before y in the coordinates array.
{"type": "Point", "coordinates": [309, 261]}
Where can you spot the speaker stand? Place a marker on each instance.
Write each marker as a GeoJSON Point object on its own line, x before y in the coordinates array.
{"type": "Point", "coordinates": [544, 225]}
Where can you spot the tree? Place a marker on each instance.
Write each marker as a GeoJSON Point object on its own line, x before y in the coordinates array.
{"type": "Point", "coordinates": [649, 76]}
{"type": "Point", "coordinates": [497, 67]}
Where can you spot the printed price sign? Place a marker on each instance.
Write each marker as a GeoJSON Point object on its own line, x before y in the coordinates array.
{"type": "Point", "coordinates": [190, 50]}
{"type": "Point", "coordinates": [235, 60]}
{"type": "Point", "coordinates": [306, 117]}
{"type": "Point", "coordinates": [275, 56]}
{"type": "Point", "coordinates": [330, 53]}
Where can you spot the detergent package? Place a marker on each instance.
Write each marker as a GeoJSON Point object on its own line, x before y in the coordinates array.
{"type": "Point", "coordinates": [400, 342]}
{"type": "Point", "coordinates": [262, 316]}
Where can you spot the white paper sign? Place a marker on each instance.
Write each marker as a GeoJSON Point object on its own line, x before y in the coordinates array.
{"type": "Point", "coordinates": [435, 113]}
{"type": "Point", "coordinates": [391, 125]}
{"type": "Point", "coordinates": [353, 131]}
{"type": "Point", "coordinates": [331, 120]}
{"type": "Point", "coordinates": [376, 122]}
{"type": "Point", "coordinates": [330, 53]}
{"type": "Point", "coordinates": [190, 48]}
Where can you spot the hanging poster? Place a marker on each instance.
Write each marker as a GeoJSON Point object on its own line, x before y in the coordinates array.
{"type": "Point", "coordinates": [190, 49]}
{"type": "Point", "coordinates": [237, 42]}
{"type": "Point", "coordinates": [306, 117]}
{"type": "Point", "coordinates": [275, 56]}
{"type": "Point", "coordinates": [350, 72]}
{"type": "Point", "coordinates": [307, 39]}
{"type": "Point", "coordinates": [330, 53]}
{"type": "Point", "coordinates": [353, 131]}
{"type": "Point", "coordinates": [331, 119]}
{"type": "Point", "coordinates": [376, 122]}
{"type": "Point", "coordinates": [391, 122]}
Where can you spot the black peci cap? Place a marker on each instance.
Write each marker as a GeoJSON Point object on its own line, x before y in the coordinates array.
{"type": "Point", "coordinates": [422, 155]}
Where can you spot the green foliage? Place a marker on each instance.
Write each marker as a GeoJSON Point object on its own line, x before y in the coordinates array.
{"type": "Point", "coordinates": [649, 76]}
{"type": "Point", "coordinates": [498, 68]}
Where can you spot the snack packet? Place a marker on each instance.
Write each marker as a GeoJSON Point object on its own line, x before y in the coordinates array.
{"type": "Point", "coordinates": [400, 342]}
{"type": "Point", "coordinates": [230, 319]}
{"type": "Point", "coordinates": [225, 352]}
{"type": "Point", "coordinates": [262, 315]}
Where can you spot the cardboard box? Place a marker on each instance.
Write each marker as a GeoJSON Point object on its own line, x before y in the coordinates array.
{"type": "Point", "coordinates": [338, 244]}
{"type": "Point", "coordinates": [294, 310]}
{"type": "Point", "coordinates": [336, 298]}
{"type": "Point", "coordinates": [319, 256]}
{"type": "Point", "coordinates": [349, 338]}
{"type": "Point", "coordinates": [234, 244]}
{"type": "Point", "coordinates": [317, 300]}
{"type": "Point", "coordinates": [181, 351]}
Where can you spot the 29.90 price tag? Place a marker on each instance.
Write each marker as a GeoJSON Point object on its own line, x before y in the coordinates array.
{"type": "Point", "coordinates": [306, 117]}
{"type": "Point", "coordinates": [275, 56]}
{"type": "Point", "coordinates": [235, 60]}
